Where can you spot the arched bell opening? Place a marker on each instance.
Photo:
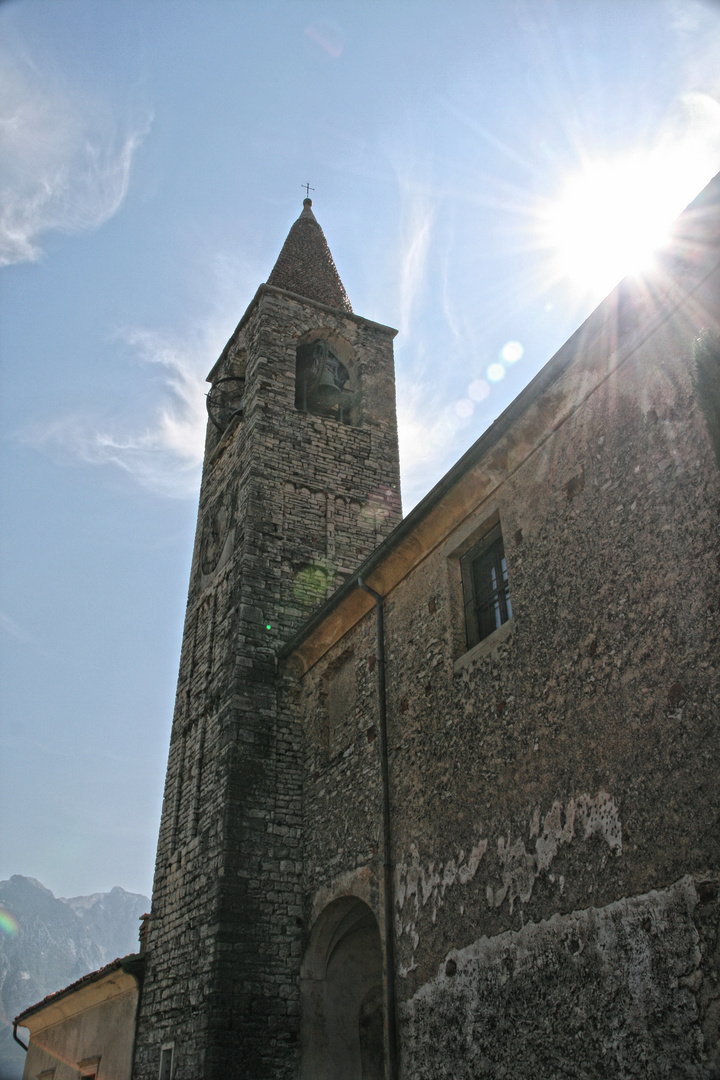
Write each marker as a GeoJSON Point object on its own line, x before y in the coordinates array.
{"type": "Point", "coordinates": [342, 1024]}
{"type": "Point", "coordinates": [324, 380]}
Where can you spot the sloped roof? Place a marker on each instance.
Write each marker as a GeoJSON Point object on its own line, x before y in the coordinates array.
{"type": "Point", "coordinates": [131, 964]}
{"type": "Point", "coordinates": [305, 265]}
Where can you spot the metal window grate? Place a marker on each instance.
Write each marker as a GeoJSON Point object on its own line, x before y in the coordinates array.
{"type": "Point", "coordinates": [485, 586]}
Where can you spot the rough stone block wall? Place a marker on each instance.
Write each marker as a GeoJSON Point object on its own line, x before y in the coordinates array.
{"type": "Point", "coordinates": [340, 494]}
{"type": "Point", "coordinates": [289, 503]}
{"type": "Point", "coordinates": [342, 792]}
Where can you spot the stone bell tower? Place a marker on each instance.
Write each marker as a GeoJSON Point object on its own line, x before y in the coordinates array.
{"type": "Point", "coordinates": [300, 483]}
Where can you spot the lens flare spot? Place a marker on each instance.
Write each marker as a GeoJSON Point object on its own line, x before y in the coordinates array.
{"type": "Point", "coordinates": [311, 583]}
{"type": "Point", "coordinates": [495, 372]}
{"type": "Point", "coordinates": [511, 352]}
{"type": "Point", "coordinates": [464, 408]}
{"type": "Point", "coordinates": [328, 36]}
{"type": "Point", "coordinates": [478, 390]}
{"type": "Point", "coordinates": [379, 505]}
{"type": "Point", "coordinates": [8, 923]}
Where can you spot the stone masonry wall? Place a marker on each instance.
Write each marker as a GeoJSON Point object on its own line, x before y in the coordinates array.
{"type": "Point", "coordinates": [555, 791]}
{"type": "Point", "coordinates": [289, 503]}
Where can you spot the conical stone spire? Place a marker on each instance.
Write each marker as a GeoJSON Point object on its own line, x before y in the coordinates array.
{"type": "Point", "coordinates": [305, 265]}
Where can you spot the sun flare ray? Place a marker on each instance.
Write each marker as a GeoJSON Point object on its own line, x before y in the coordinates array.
{"type": "Point", "coordinates": [612, 216]}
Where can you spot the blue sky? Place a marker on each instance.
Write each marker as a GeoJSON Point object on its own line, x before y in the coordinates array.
{"type": "Point", "coordinates": [468, 160]}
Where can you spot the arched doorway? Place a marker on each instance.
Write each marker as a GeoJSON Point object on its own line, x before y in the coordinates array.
{"type": "Point", "coordinates": [341, 994]}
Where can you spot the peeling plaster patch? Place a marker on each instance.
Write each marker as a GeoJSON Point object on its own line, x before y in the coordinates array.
{"type": "Point", "coordinates": [600, 815]}
{"type": "Point", "coordinates": [466, 872]}
{"type": "Point", "coordinates": [584, 816]}
{"type": "Point", "coordinates": [414, 882]}
{"type": "Point", "coordinates": [590, 815]}
{"type": "Point", "coordinates": [421, 886]}
{"type": "Point", "coordinates": [518, 874]}
{"type": "Point", "coordinates": [554, 833]}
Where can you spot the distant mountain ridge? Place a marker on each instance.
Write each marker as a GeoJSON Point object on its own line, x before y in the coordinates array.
{"type": "Point", "coordinates": [111, 919]}
{"type": "Point", "coordinates": [49, 942]}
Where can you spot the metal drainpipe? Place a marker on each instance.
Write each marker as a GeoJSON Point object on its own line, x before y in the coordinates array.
{"type": "Point", "coordinates": [388, 891]}
{"type": "Point", "coordinates": [17, 1038]}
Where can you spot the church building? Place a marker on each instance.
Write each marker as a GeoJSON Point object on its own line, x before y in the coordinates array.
{"type": "Point", "coordinates": [443, 792]}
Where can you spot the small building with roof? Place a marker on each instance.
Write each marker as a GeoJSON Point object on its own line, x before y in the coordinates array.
{"type": "Point", "coordinates": [86, 1030]}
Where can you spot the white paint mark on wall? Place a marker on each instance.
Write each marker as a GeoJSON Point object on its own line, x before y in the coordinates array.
{"type": "Point", "coordinates": [422, 885]}
{"type": "Point", "coordinates": [587, 815]}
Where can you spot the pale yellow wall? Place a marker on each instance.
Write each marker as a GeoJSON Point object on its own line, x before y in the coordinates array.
{"type": "Point", "coordinates": [105, 1030]}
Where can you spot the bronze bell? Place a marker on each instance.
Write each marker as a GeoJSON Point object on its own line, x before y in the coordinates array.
{"type": "Point", "coordinates": [329, 392]}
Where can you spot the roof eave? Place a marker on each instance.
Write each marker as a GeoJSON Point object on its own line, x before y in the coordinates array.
{"type": "Point", "coordinates": [132, 965]}
{"type": "Point", "coordinates": [277, 291]}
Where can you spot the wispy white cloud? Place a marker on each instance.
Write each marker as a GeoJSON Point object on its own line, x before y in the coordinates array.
{"type": "Point", "coordinates": [430, 437]}
{"type": "Point", "coordinates": [689, 16]}
{"type": "Point", "coordinates": [9, 626]}
{"type": "Point", "coordinates": [416, 232]}
{"type": "Point", "coordinates": [164, 452]}
{"type": "Point", "coordinates": [65, 161]}
{"type": "Point", "coordinates": [414, 255]}
{"type": "Point", "coordinates": [699, 123]}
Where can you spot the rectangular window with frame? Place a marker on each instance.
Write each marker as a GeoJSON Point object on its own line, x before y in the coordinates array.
{"type": "Point", "coordinates": [166, 1062]}
{"type": "Point", "coordinates": [89, 1067]}
{"type": "Point", "coordinates": [486, 592]}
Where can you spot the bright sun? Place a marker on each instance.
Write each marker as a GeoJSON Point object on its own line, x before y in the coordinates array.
{"type": "Point", "coordinates": [611, 217]}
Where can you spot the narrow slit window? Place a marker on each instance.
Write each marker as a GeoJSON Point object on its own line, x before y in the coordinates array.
{"type": "Point", "coordinates": [166, 1063]}
{"type": "Point", "coordinates": [486, 591]}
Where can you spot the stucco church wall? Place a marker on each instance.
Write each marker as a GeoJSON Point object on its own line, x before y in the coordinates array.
{"type": "Point", "coordinates": [559, 784]}
{"type": "Point", "coordinates": [602, 992]}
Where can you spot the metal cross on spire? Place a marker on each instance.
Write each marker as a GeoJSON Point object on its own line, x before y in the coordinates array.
{"type": "Point", "coordinates": [308, 189]}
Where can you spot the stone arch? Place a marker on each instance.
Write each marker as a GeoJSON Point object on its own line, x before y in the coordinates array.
{"type": "Point", "coordinates": [326, 376]}
{"type": "Point", "coordinates": [342, 1025]}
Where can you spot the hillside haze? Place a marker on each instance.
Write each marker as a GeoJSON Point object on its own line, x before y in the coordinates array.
{"type": "Point", "coordinates": [48, 942]}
